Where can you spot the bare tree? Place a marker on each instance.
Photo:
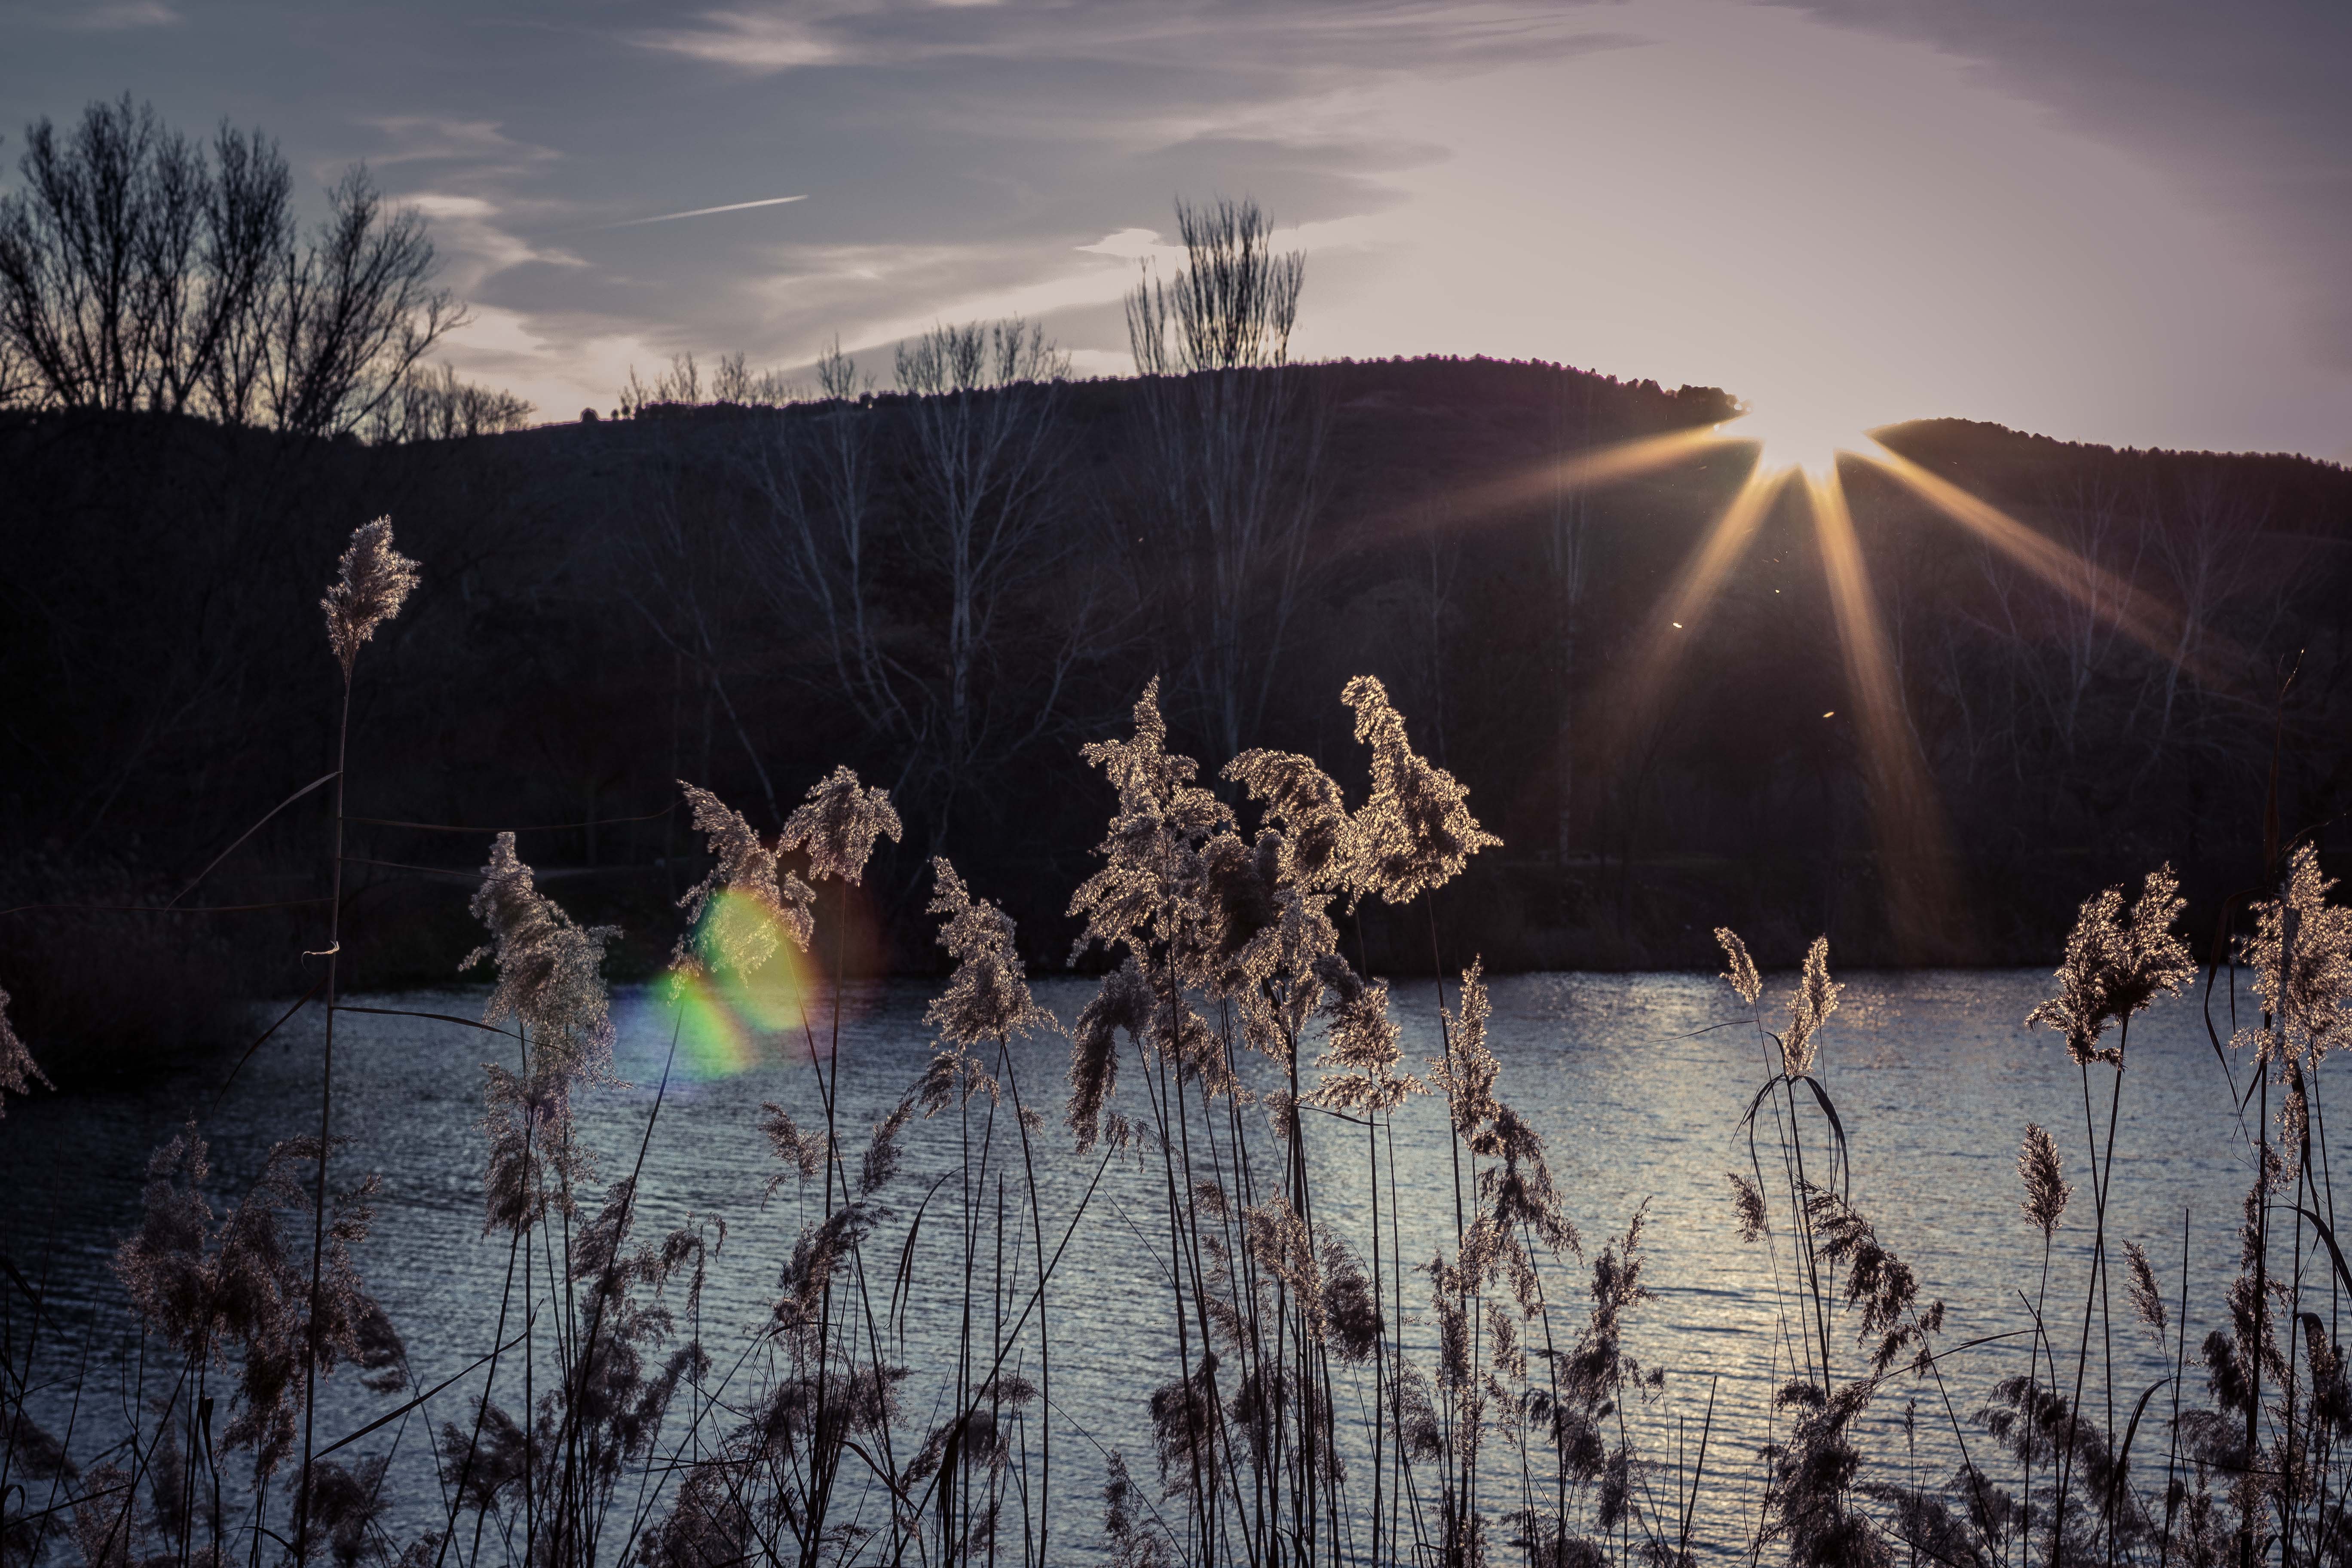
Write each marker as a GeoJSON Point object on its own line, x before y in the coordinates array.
{"type": "Point", "coordinates": [436, 404]}
{"type": "Point", "coordinates": [810, 550]}
{"type": "Point", "coordinates": [982, 450]}
{"type": "Point", "coordinates": [128, 259]}
{"type": "Point", "coordinates": [2210, 542]}
{"type": "Point", "coordinates": [1435, 602]}
{"type": "Point", "coordinates": [681, 579]}
{"type": "Point", "coordinates": [737, 383]}
{"type": "Point", "coordinates": [1233, 447]}
{"type": "Point", "coordinates": [2106, 532]}
{"type": "Point", "coordinates": [252, 216]}
{"type": "Point", "coordinates": [682, 385]}
{"type": "Point", "coordinates": [356, 311]}
{"type": "Point", "coordinates": [733, 383]}
{"type": "Point", "coordinates": [138, 272]}
{"type": "Point", "coordinates": [2056, 640]}
{"type": "Point", "coordinates": [1233, 305]}
{"type": "Point", "coordinates": [17, 382]}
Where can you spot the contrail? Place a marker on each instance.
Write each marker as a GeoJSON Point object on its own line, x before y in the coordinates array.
{"type": "Point", "coordinates": [705, 212]}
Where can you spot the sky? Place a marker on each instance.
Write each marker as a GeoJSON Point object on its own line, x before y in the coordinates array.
{"type": "Point", "coordinates": [2120, 222]}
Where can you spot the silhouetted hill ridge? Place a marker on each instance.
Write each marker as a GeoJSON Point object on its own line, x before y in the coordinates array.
{"type": "Point", "coordinates": [161, 577]}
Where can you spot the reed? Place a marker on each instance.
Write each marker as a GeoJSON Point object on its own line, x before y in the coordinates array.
{"type": "Point", "coordinates": [1237, 1072]}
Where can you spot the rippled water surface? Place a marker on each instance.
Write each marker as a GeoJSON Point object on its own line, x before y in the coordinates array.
{"type": "Point", "coordinates": [1637, 1098]}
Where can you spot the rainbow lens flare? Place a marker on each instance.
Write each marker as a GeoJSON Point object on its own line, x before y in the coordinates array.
{"type": "Point", "coordinates": [724, 1017]}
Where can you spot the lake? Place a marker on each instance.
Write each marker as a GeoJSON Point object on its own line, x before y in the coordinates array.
{"type": "Point", "coordinates": [1636, 1090]}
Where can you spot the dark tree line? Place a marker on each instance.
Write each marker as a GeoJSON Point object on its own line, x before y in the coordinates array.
{"type": "Point", "coordinates": [955, 586]}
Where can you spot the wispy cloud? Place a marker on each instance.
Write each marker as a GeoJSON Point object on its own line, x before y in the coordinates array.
{"type": "Point", "coordinates": [706, 212]}
{"type": "Point", "coordinates": [482, 145]}
{"type": "Point", "coordinates": [1321, 38]}
{"type": "Point", "coordinates": [117, 16]}
{"type": "Point", "coordinates": [755, 43]}
{"type": "Point", "coordinates": [478, 232]}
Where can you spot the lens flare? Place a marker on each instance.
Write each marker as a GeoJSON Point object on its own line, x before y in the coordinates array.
{"type": "Point", "coordinates": [1630, 459]}
{"type": "Point", "coordinates": [1796, 434]}
{"type": "Point", "coordinates": [1802, 440]}
{"type": "Point", "coordinates": [2156, 625]}
{"type": "Point", "coordinates": [1687, 602]}
{"type": "Point", "coordinates": [713, 1042]}
{"type": "Point", "coordinates": [724, 1018]}
{"type": "Point", "coordinates": [1505, 499]}
{"type": "Point", "coordinates": [1907, 820]}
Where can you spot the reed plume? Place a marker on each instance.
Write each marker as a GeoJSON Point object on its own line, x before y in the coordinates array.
{"type": "Point", "coordinates": [1879, 1284]}
{"type": "Point", "coordinates": [2044, 1175]}
{"type": "Point", "coordinates": [1415, 833]}
{"type": "Point", "coordinates": [18, 1070]}
{"type": "Point", "coordinates": [882, 1151]}
{"type": "Point", "coordinates": [1741, 969]}
{"type": "Point", "coordinates": [1303, 801]}
{"type": "Point", "coordinates": [1150, 854]}
{"type": "Point", "coordinates": [2301, 952]}
{"type": "Point", "coordinates": [1123, 1003]}
{"type": "Point", "coordinates": [798, 1152]}
{"type": "Point", "coordinates": [1747, 1207]}
{"type": "Point", "coordinates": [549, 978]}
{"type": "Point", "coordinates": [549, 984]}
{"type": "Point", "coordinates": [1134, 1541]}
{"type": "Point", "coordinates": [987, 999]}
{"type": "Point", "coordinates": [372, 581]}
{"type": "Point", "coordinates": [1147, 899]}
{"type": "Point", "coordinates": [233, 1290]}
{"type": "Point", "coordinates": [2331, 1395]}
{"type": "Point", "coordinates": [987, 996]}
{"type": "Point", "coordinates": [1351, 1308]}
{"type": "Point", "coordinates": [745, 868]}
{"type": "Point", "coordinates": [1810, 1006]}
{"type": "Point", "coordinates": [2115, 964]}
{"type": "Point", "coordinates": [837, 826]}
{"type": "Point", "coordinates": [2146, 1300]}
{"type": "Point", "coordinates": [1466, 1075]}
{"type": "Point", "coordinates": [1264, 932]}
{"type": "Point", "coordinates": [1359, 1066]}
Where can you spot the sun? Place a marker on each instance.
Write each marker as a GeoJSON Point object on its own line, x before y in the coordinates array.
{"type": "Point", "coordinates": [1795, 433]}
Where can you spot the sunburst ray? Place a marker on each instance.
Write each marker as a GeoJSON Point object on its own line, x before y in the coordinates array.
{"type": "Point", "coordinates": [2140, 615]}
{"type": "Point", "coordinates": [1906, 819]}
{"type": "Point", "coordinates": [1511, 495]}
{"type": "Point", "coordinates": [1683, 609]}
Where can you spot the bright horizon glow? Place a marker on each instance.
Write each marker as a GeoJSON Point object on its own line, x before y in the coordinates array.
{"type": "Point", "coordinates": [1796, 442]}
{"type": "Point", "coordinates": [1796, 436]}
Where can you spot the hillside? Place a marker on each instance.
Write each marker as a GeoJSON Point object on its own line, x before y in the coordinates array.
{"type": "Point", "coordinates": [613, 606]}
